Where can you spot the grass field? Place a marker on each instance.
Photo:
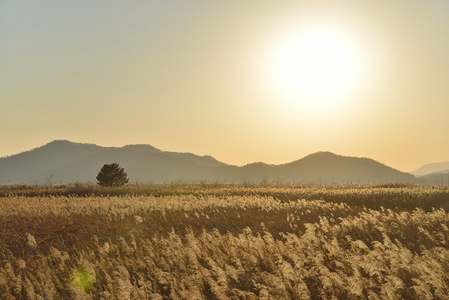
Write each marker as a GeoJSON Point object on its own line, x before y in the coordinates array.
{"type": "Point", "coordinates": [212, 241]}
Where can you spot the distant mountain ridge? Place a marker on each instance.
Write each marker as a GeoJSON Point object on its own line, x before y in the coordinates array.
{"type": "Point", "coordinates": [442, 167]}
{"type": "Point", "coordinates": [63, 161]}
{"type": "Point", "coordinates": [437, 178]}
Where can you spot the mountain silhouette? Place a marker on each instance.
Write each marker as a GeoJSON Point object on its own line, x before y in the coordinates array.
{"type": "Point", "coordinates": [436, 178]}
{"type": "Point", "coordinates": [67, 162]}
{"type": "Point", "coordinates": [328, 168]}
{"type": "Point", "coordinates": [427, 169]}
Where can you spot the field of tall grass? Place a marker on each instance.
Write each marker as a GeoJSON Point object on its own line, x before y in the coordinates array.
{"type": "Point", "coordinates": [212, 241]}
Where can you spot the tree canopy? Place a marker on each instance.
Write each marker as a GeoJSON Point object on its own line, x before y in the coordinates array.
{"type": "Point", "coordinates": [112, 175]}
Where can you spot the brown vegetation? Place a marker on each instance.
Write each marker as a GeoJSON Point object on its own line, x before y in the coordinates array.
{"type": "Point", "coordinates": [219, 241]}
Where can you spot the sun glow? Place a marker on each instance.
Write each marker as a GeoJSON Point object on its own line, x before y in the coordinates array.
{"type": "Point", "coordinates": [318, 67]}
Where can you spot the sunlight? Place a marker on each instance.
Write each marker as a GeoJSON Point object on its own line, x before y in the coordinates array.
{"type": "Point", "coordinates": [317, 67]}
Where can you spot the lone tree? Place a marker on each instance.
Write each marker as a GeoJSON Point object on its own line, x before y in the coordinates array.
{"type": "Point", "coordinates": [112, 175]}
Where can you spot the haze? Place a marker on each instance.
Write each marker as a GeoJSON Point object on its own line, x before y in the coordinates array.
{"type": "Point", "coordinates": [243, 81]}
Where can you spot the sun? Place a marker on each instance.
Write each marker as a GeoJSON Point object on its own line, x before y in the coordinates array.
{"type": "Point", "coordinates": [317, 66]}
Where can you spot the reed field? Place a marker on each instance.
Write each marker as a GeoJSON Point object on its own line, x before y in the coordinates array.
{"type": "Point", "coordinates": [217, 241]}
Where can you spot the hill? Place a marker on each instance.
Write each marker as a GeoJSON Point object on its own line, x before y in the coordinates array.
{"type": "Point", "coordinates": [328, 168]}
{"type": "Point", "coordinates": [437, 178]}
{"type": "Point", "coordinates": [432, 168]}
{"type": "Point", "coordinates": [68, 162]}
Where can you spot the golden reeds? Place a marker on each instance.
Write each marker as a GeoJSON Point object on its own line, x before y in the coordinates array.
{"type": "Point", "coordinates": [224, 243]}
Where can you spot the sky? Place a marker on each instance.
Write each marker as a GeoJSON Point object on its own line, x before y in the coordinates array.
{"type": "Point", "coordinates": [242, 81]}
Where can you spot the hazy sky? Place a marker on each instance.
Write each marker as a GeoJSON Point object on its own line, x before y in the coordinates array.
{"type": "Point", "coordinates": [243, 81]}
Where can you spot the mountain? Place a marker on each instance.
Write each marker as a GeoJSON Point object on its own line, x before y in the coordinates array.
{"type": "Point", "coordinates": [432, 168]}
{"type": "Point", "coordinates": [328, 168]}
{"type": "Point", "coordinates": [64, 161]}
{"type": "Point", "coordinates": [68, 162]}
{"type": "Point", "coordinates": [436, 178]}
{"type": "Point", "coordinates": [37, 165]}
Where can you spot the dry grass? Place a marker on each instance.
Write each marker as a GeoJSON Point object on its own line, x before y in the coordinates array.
{"type": "Point", "coordinates": [225, 242]}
